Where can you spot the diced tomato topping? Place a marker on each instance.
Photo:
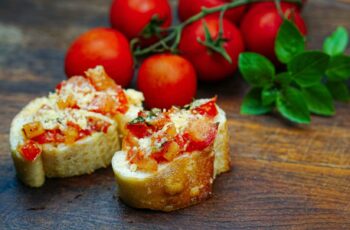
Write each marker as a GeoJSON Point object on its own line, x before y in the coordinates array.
{"type": "Point", "coordinates": [70, 102]}
{"type": "Point", "coordinates": [158, 156]}
{"type": "Point", "coordinates": [33, 129]}
{"type": "Point", "coordinates": [139, 129]}
{"type": "Point", "coordinates": [201, 134]}
{"type": "Point", "coordinates": [102, 81]}
{"type": "Point", "coordinates": [123, 102]}
{"type": "Point", "coordinates": [30, 150]}
{"type": "Point", "coordinates": [60, 85]}
{"type": "Point", "coordinates": [208, 109]}
{"type": "Point", "coordinates": [50, 136]}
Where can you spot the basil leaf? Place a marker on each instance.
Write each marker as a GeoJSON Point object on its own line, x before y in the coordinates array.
{"type": "Point", "coordinates": [292, 106]}
{"type": "Point", "coordinates": [269, 95]}
{"type": "Point", "coordinates": [252, 103]}
{"type": "Point", "coordinates": [339, 91]}
{"type": "Point", "coordinates": [289, 42]}
{"type": "Point", "coordinates": [284, 78]}
{"type": "Point", "coordinates": [308, 67]}
{"type": "Point", "coordinates": [319, 100]}
{"type": "Point", "coordinates": [339, 68]}
{"type": "Point", "coordinates": [337, 42]}
{"type": "Point", "coordinates": [256, 69]}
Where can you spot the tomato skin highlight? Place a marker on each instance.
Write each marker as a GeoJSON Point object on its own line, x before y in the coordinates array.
{"type": "Point", "coordinates": [30, 150]}
{"type": "Point", "coordinates": [167, 80]}
{"type": "Point", "coordinates": [188, 8]}
{"type": "Point", "coordinates": [131, 16]}
{"type": "Point", "coordinates": [210, 65]}
{"type": "Point", "coordinates": [101, 46]}
{"type": "Point", "coordinates": [261, 24]}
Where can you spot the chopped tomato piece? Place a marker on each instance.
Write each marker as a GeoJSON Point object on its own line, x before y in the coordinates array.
{"type": "Point", "coordinates": [70, 102]}
{"type": "Point", "coordinates": [71, 134]}
{"type": "Point", "coordinates": [209, 108]}
{"type": "Point", "coordinates": [102, 81]}
{"type": "Point", "coordinates": [158, 156]}
{"type": "Point", "coordinates": [139, 129]}
{"type": "Point", "coordinates": [201, 134]}
{"type": "Point", "coordinates": [83, 133]}
{"type": "Point", "coordinates": [147, 165]}
{"type": "Point", "coordinates": [171, 150]}
{"type": "Point", "coordinates": [103, 104]}
{"type": "Point", "coordinates": [50, 136]}
{"type": "Point", "coordinates": [30, 150]}
{"type": "Point", "coordinates": [60, 85]}
{"type": "Point", "coordinates": [33, 129]}
{"type": "Point", "coordinates": [123, 102]}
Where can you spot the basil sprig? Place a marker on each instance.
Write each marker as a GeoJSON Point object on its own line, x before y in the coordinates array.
{"type": "Point", "coordinates": [310, 84]}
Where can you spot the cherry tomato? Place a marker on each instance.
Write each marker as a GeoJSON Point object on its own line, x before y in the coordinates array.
{"type": "Point", "coordinates": [30, 150]}
{"type": "Point", "coordinates": [167, 80]}
{"type": "Point", "coordinates": [131, 16]}
{"type": "Point", "coordinates": [101, 46]}
{"type": "Point", "coordinates": [295, 6]}
{"type": "Point", "coordinates": [261, 24]}
{"type": "Point", "coordinates": [211, 65]}
{"type": "Point", "coordinates": [188, 8]}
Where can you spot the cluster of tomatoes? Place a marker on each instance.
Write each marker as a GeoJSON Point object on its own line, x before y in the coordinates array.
{"type": "Point", "coordinates": [171, 79]}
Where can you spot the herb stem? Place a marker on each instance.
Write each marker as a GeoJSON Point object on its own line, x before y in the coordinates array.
{"type": "Point", "coordinates": [174, 33]}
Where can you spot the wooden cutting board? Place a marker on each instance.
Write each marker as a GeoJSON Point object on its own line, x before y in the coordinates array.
{"type": "Point", "coordinates": [283, 176]}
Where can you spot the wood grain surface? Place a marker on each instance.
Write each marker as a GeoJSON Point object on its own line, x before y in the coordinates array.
{"type": "Point", "coordinates": [283, 177]}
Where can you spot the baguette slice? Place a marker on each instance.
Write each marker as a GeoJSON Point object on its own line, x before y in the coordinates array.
{"type": "Point", "coordinates": [181, 183]}
{"type": "Point", "coordinates": [186, 180]}
{"type": "Point", "coordinates": [61, 160]}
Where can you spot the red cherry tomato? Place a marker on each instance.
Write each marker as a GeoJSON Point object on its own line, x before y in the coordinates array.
{"type": "Point", "coordinates": [167, 80]}
{"type": "Point", "coordinates": [283, 4]}
{"type": "Point", "coordinates": [260, 26]}
{"type": "Point", "coordinates": [188, 8]}
{"type": "Point", "coordinates": [131, 16]}
{"type": "Point", "coordinates": [30, 150]}
{"type": "Point", "coordinates": [101, 46]}
{"type": "Point", "coordinates": [209, 64]}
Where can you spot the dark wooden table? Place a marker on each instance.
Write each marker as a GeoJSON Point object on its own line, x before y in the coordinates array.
{"type": "Point", "coordinates": [283, 176]}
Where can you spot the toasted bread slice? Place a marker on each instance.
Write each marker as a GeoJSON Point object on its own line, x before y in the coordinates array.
{"type": "Point", "coordinates": [60, 159]}
{"type": "Point", "coordinates": [180, 181]}
{"type": "Point", "coordinates": [183, 182]}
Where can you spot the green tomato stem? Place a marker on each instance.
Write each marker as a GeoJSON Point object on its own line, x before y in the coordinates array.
{"type": "Point", "coordinates": [175, 31]}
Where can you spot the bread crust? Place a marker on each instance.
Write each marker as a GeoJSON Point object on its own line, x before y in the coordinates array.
{"type": "Point", "coordinates": [81, 157]}
{"type": "Point", "coordinates": [221, 146]}
{"type": "Point", "coordinates": [181, 183]}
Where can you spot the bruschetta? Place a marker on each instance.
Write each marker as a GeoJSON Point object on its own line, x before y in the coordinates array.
{"type": "Point", "coordinates": [97, 92]}
{"type": "Point", "coordinates": [169, 159]}
{"type": "Point", "coordinates": [74, 130]}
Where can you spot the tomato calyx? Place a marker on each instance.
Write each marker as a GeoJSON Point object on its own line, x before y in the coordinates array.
{"type": "Point", "coordinates": [153, 28]}
{"type": "Point", "coordinates": [215, 44]}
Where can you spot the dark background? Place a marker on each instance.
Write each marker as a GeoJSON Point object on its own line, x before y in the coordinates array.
{"type": "Point", "coordinates": [295, 177]}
